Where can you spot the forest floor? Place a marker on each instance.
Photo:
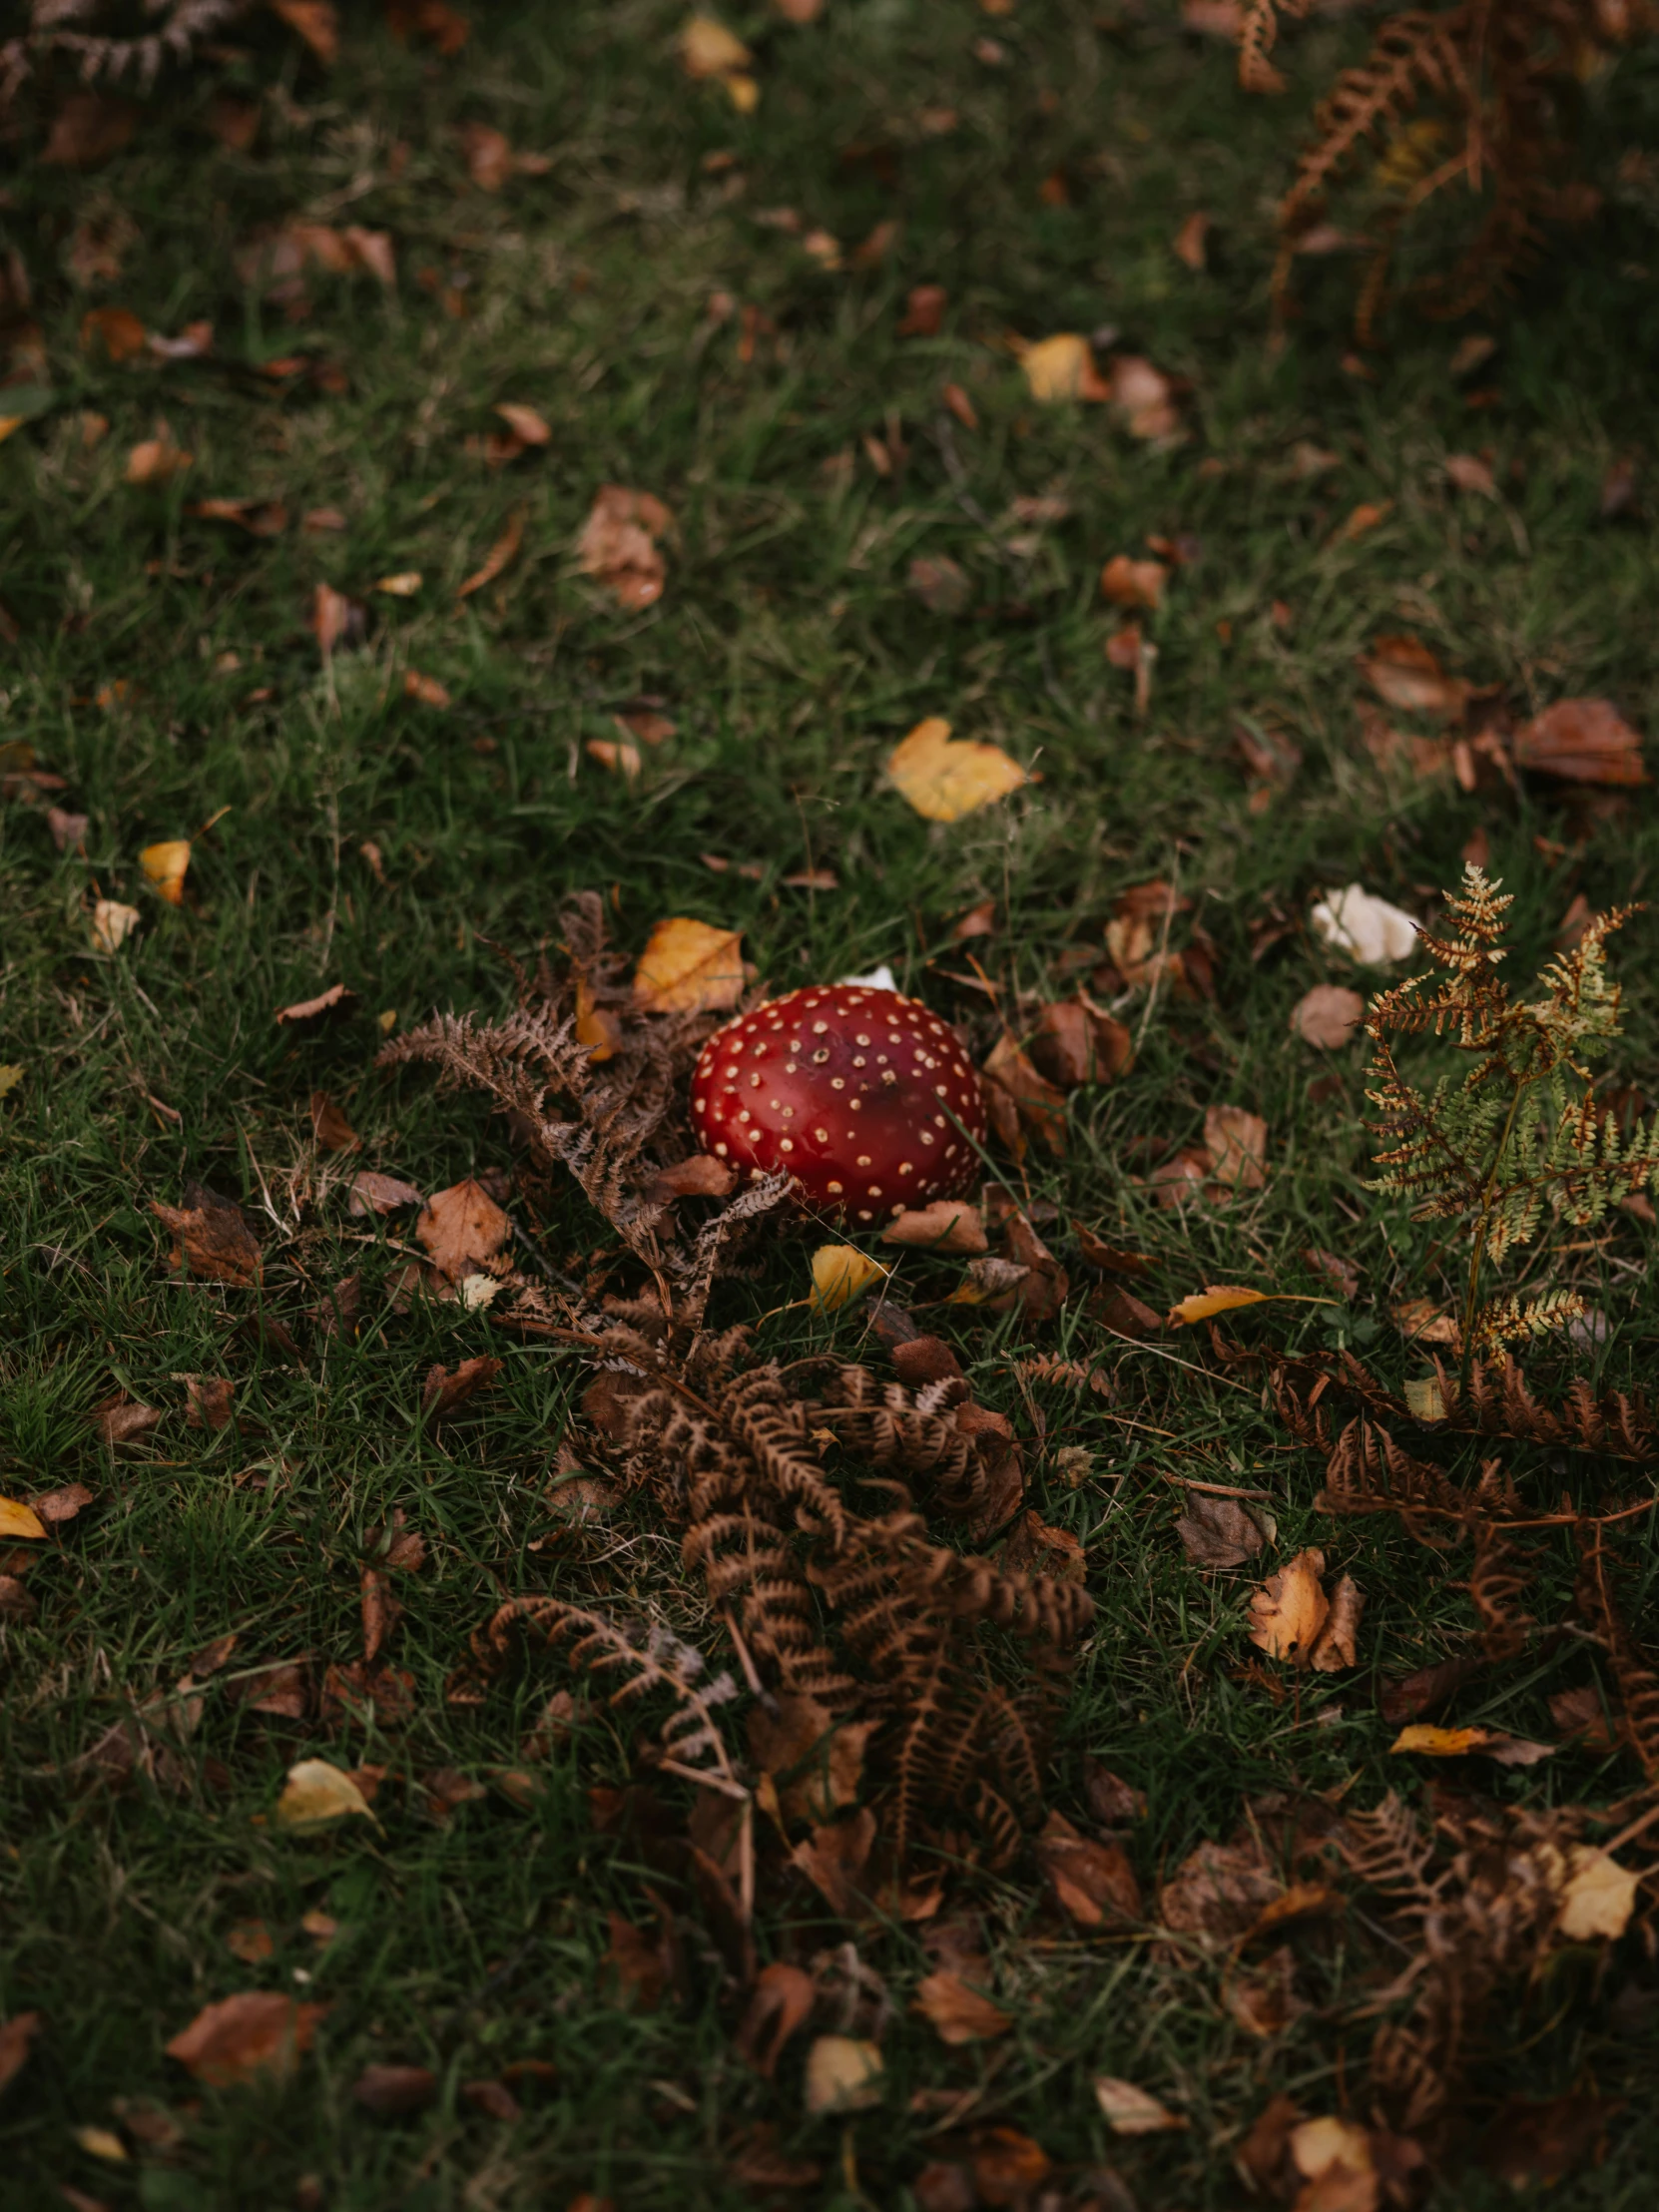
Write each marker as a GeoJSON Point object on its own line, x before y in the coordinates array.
{"type": "Point", "coordinates": [714, 307]}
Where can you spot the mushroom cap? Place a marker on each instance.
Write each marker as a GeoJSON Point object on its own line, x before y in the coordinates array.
{"type": "Point", "coordinates": [863, 1095]}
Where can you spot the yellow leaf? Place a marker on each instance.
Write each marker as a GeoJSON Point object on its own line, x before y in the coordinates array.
{"type": "Point", "coordinates": [524, 422]}
{"type": "Point", "coordinates": [102, 2142]}
{"type": "Point", "coordinates": [1598, 1898]}
{"type": "Point", "coordinates": [840, 1273]}
{"type": "Point", "coordinates": [1288, 1611]}
{"type": "Point", "coordinates": [112, 924]}
{"type": "Point", "coordinates": [596, 1027]}
{"type": "Point", "coordinates": [165, 864]}
{"type": "Point", "coordinates": [11, 1074]}
{"type": "Point", "coordinates": [743, 92]}
{"type": "Point", "coordinates": [1131, 2110]}
{"type": "Point", "coordinates": [689, 967]}
{"type": "Point", "coordinates": [944, 781]}
{"type": "Point", "coordinates": [315, 1793]}
{"type": "Point", "coordinates": [17, 1520]}
{"type": "Point", "coordinates": [844, 2074]}
{"type": "Point", "coordinates": [1202, 1305]}
{"type": "Point", "coordinates": [616, 754]}
{"type": "Point", "coordinates": [9, 423]}
{"type": "Point", "coordinates": [1425, 1398]}
{"type": "Point", "coordinates": [1061, 368]}
{"type": "Point", "coordinates": [403, 585]}
{"type": "Point", "coordinates": [709, 49]}
{"type": "Point", "coordinates": [1440, 1742]}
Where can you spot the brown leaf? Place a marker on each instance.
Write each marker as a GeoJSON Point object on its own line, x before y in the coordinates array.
{"type": "Point", "coordinates": [213, 1243]}
{"type": "Point", "coordinates": [14, 1604]}
{"type": "Point", "coordinates": [463, 1230]}
{"type": "Point", "coordinates": [88, 129]}
{"type": "Point", "coordinates": [395, 2092]}
{"type": "Point", "coordinates": [1288, 1611]}
{"type": "Point", "coordinates": [1097, 1253]}
{"type": "Point", "coordinates": [1113, 1801]}
{"type": "Point", "coordinates": [259, 2033]}
{"type": "Point", "coordinates": [1190, 242]}
{"type": "Point", "coordinates": [701, 1175]}
{"type": "Point", "coordinates": [445, 27]}
{"type": "Point", "coordinates": [68, 830]}
{"type": "Point", "coordinates": [1075, 1042]}
{"type": "Point", "coordinates": [16, 2036]}
{"type": "Point", "coordinates": [233, 122]}
{"type": "Point", "coordinates": [833, 1859]}
{"type": "Point", "coordinates": [1094, 1884]}
{"type": "Point", "coordinates": [336, 1000]}
{"type": "Point", "coordinates": [1262, 2154]}
{"type": "Point", "coordinates": [1217, 1892]}
{"type": "Point", "coordinates": [941, 584]}
{"type": "Point", "coordinates": [1008, 2167]}
{"type": "Point", "coordinates": [329, 1127]}
{"type": "Point", "coordinates": [1124, 1313]}
{"type": "Point", "coordinates": [1416, 1694]}
{"type": "Point", "coordinates": [1468, 472]}
{"type": "Point", "coordinates": [947, 1225]}
{"type": "Point", "coordinates": [1131, 583]}
{"type": "Point", "coordinates": [959, 2014]}
{"type": "Point", "coordinates": [495, 2099]}
{"type": "Point", "coordinates": [380, 1611]}
{"type": "Point", "coordinates": [207, 1401]}
{"type": "Point", "coordinates": [500, 554]}
{"type": "Point", "coordinates": [817, 1764]}
{"type": "Point", "coordinates": [1341, 1274]}
{"type": "Point", "coordinates": [118, 331]}
{"type": "Point", "coordinates": [261, 518]}
{"type": "Point", "coordinates": [923, 311]}
{"type": "Point", "coordinates": [317, 23]}
{"type": "Point", "coordinates": [1033, 1546]}
{"type": "Point", "coordinates": [251, 1941]}
{"type": "Point", "coordinates": [1328, 1016]}
{"type": "Point", "coordinates": [441, 1393]}
{"type": "Point", "coordinates": [780, 2005]}
{"type": "Point", "coordinates": [638, 1963]}
{"type": "Point", "coordinates": [157, 460]}
{"type": "Point", "coordinates": [1035, 1102]}
{"type": "Point", "coordinates": [283, 1690]}
{"type": "Point", "coordinates": [120, 1419]}
{"type": "Point", "coordinates": [1405, 675]}
{"type": "Point", "coordinates": [1236, 1142]}
{"type": "Point", "coordinates": [54, 1508]}
{"type": "Point", "coordinates": [618, 544]}
{"type": "Point", "coordinates": [1542, 2142]}
{"type": "Point", "coordinates": [1583, 741]}
{"type": "Point", "coordinates": [1217, 1531]}
{"type": "Point", "coordinates": [380, 1194]}
{"type": "Point", "coordinates": [1338, 1646]}
{"type": "Point", "coordinates": [979, 922]}
{"type": "Point", "coordinates": [489, 156]}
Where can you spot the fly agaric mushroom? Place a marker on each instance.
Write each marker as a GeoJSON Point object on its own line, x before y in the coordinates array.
{"type": "Point", "coordinates": [863, 1095]}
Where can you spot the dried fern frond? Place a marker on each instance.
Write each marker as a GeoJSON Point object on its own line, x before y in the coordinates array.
{"type": "Point", "coordinates": [109, 58]}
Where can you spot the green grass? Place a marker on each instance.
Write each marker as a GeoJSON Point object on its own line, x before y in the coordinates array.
{"type": "Point", "coordinates": [792, 656]}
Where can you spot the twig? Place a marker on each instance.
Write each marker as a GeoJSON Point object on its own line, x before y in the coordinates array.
{"type": "Point", "coordinates": [1216, 1490]}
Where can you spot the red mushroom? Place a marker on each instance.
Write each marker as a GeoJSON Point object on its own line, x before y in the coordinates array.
{"type": "Point", "coordinates": [863, 1095]}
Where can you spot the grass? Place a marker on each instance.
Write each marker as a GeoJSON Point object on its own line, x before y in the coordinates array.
{"type": "Point", "coordinates": [791, 654]}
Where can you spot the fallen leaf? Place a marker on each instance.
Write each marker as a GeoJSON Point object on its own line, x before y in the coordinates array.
{"type": "Point", "coordinates": [1363, 927]}
{"type": "Point", "coordinates": [214, 1242]}
{"type": "Point", "coordinates": [1093, 1883]}
{"type": "Point", "coordinates": [241, 2039]}
{"type": "Point", "coordinates": [334, 619]}
{"type": "Point", "coordinates": [57, 1507]}
{"type": "Point", "coordinates": [121, 1420]}
{"type": "Point", "coordinates": [1420, 1321]}
{"type": "Point", "coordinates": [961, 405]}
{"type": "Point", "coordinates": [1236, 1142]}
{"type": "Point", "coordinates": [500, 554]}
{"type": "Point", "coordinates": [1129, 2110]}
{"type": "Point", "coordinates": [17, 1519]}
{"type": "Point", "coordinates": [1190, 242]}
{"type": "Point", "coordinates": [166, 866]}
{"type": "Point", "coordinates": [1019, 1099]}
{"type": "Point", "coordinates": [1337, 1645]}
{"type": "Point", "coordinates": [1288, 1611]}
{"type": "Point", "coordinates": [336, 1000]}
{"type": "Point", "coordinates": [1334, 2158]}
{"type": "Point", "coordinates": [923, 311]}
{"type": "Point", "coordinates": [689, 967]}
{"type": "Point", "coordinates": [1544, 2141]}
{"type": "Point", "coordinates": [1404, 674]}
{"type": "Point", "coordinates": [317, 23]}
{"type": "Point", "coordinates": [209, 1400]}
{"type": "Point", "coordinates": [649, 728]}
{"type": "Point", "coordinates": [709, 49]}
{"type": "Point", "coordinates": [488, 154]}
{"type": "Point", "coordinates": [316, 1793]}
{"type": "Point", "coordinates": [1130, 583]}
{"type": "Point", "coordinates": [947, 1225]}
{"type": "Point", "coordinates": [618, 544]}
{"type": "Point", "coordinates": [844, 2074]}
{"type": "Point", "coordinates": [331, 1131]}
{"type": "Point", "coordinates": [959, 2014]}
{"type": "Point", "coordinates": [1428, 1742]}
{"type": "Point", "coordinates": [1597, 1896]}
{"type": "Point", "coordinates": [442, 1394]}
{"type": "Point", "coordinates": [251, 1941]}
{"type": "Point", "coordinates": [16, 2036]}
{"type": "Point", "coordinates": [943, 780]}
{"type": "Point", "coordinates": [112, 924]}
{"type": "Point", "coordinates": [1218, 1299]}
{"type": "Point", "coordinates": [833, 1859]}
{"type": "Point", "coordinates": [1008, 2167]}
{"type": "Point", "coordinates": [403, 585]}
{"type": "Point", "coordinates": [120, 332]}
{"type": "Point", "coordinates": [841, 1273]}
{"type": "Point", "coordinates": [463, 1230]}
{"type": "Point", "coordinates": [395, 2092]}
{"type": "Point", "coordinates": [261, 518]}
{"type": "Point", "coordinates": [1113, 1801]}
{"type": "Point", "coordinates": [701, 1175]}
{"type": "Point", "coordinates": [943, 586]}
{"type": "Point", "coordinates": [446, 28]}
{"type": "Point", "coordinates": [102, 2142]}
{"type": "Point", "coordinates": [621, 759]}
{"type": "Point", "coordinates": [380, 1194]}
{"type": "Point", "coordinates": [1328, 1016]}
{"type": "Point", "coordinates": [524, 422]}
{"type": "Point", "coordinates": [780, 2003]}
{"type": "Point", "coordinates": [1062, 368]}
{"type": "Point", "coordinates": [1468, 472]}
{"type": "Point", "coordinates": [88, 129]}
{"type": "Point", "coordinates": [1143, 399]}
{"type": "Point", "coordinates": [68, 829]}
{"type": "Point", "coordinates": [157, 460]}
{"type": "Point", "coordinates": [1217, 1531]}
{"type": "Point", "coordinates": [1583, 741]}
{"type": "Point", "coordinates": [1364, 517]}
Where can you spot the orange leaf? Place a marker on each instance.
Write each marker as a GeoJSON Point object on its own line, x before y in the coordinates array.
{"type": "Point", "coordinates": [315, 22]}
{"type": "Point", "coordinates": [1584, 741]}
{"type": "Point", "coordinates": [1202, 1305]}
{"type": "Point", "coordinates": [504, 549]}
{"type": "Point", "coordinates": [942, 780]}
{"type": "Point", "coordinates": [165, 865]}
{"type": "Point", "coordinates": [123, 335]}
{"type": "Point", "coordinates": [241, 2038]}
{"type": "Point", "coordinates": [689, 967]}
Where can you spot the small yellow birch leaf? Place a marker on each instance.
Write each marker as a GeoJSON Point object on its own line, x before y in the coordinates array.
{"type": "Point", "coordinates": [689, 967]}
{"type": "Point", "coordinates": [944, 781]}
{"type": "Point", "coordinates": [403, 585]}
{"type": "Point", "coordinates": [112, 924]}
{"type": "Point", "coordinates": [11, 1074]}
{"type": "Point", "coordinates": [315, 1793]}
{"type": "Point", "coordinates": [1598, 1898]}
{"type": "Point", "coordinates": [840, 1273]}
{"type": "Point", "coordinates": [1061, 368]}
{"type": "Point", "coordinates": [166, 864]}
{"type": "Point", "coordinates": [709, 49]}
{"type": "Point", "coordinates": [743, 92]}
{"type": "Point", "coordinates": [1440, 1742]}
{"type": "Point", "coordinates": [844, 2074]}
{"type": "Point", "coordinates": [1218, 1299]}
{"type": "Point", "coordinates": [102, 2142]}
{"type": "Point", "coordinates": [17, 1519]}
